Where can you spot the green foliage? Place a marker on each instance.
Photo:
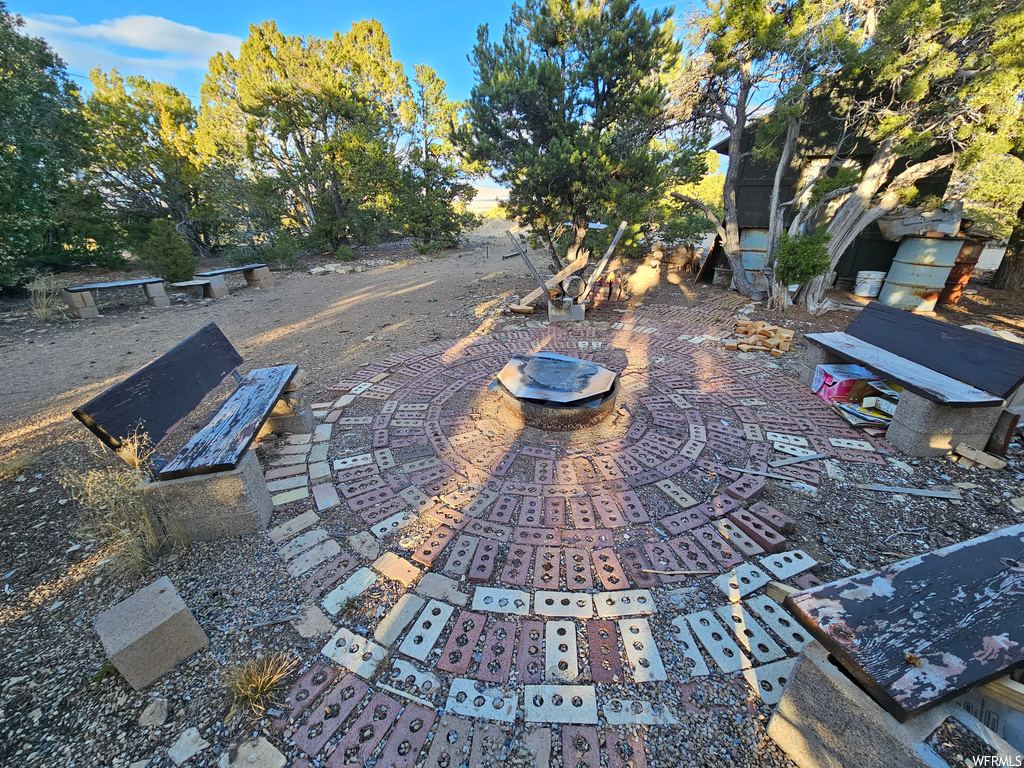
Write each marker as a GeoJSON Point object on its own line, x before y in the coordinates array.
{"type": "Point", "coordinates": [429, 248]}
{"type": "Point", "coordinates": [344, 253]}
{"type": "Point", "coordinates": [843, 177]}
{"type": "Point", "coordinates": [683, 222]}
{"type": "Point", "coordinates": [165, 254]}
{"type": "Point", "coordinates": [800, 258]}
{"type": "Point", "coordinates": [568, 110]}
{"type": "Point", "coordinates": [994, 192]}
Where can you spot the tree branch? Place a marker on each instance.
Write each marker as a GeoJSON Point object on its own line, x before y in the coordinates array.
{"type": "Point", "coordinates": [708, 213]}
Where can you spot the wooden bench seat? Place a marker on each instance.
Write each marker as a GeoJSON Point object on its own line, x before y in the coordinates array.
{"type": "Point", "coordinates": [924, 630]}
{"type": "Point", "coordinates": [955, 380]}
{"type": "Point", "coordinates": [80, 299]}
{"type": "Point", "coordinates": [225, 492]}
{"type": "Point", "coordinates": [256, 275]}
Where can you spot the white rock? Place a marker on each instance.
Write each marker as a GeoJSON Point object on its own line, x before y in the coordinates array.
{"type": "Point", "coordinates": [253, 754]}
{"type": "Point", "coordinates": [188, 745]}
{"type": "Point", "coordinates": [153, 715]}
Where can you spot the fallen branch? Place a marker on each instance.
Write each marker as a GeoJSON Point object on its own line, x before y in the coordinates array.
{"type": "Point", "coordinates": [902, 532]}
{"type": "Point", "coordinates": [282, 620]}
{"type": "Point", "coordinates": [678, 573]}
{"type": "Point", "coordinates": [955, 494]}
{"type": "Point", "coordinates": [797, 460]}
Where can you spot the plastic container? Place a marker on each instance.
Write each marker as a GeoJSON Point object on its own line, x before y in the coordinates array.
{"type": "Point", "coordinates": [869, 284]}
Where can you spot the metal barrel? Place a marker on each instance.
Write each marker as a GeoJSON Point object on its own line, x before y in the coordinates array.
{"type": "Point", "coordinates": [919, 272]}
{"type": "Point", "coordinates": [961, 272]}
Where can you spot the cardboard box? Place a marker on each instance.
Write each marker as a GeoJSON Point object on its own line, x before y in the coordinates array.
{"type": "Point", "coordinates": [835, 381]}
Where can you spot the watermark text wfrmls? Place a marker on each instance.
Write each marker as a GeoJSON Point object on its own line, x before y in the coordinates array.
{"type": "Point", "coordinates": [997, 761]}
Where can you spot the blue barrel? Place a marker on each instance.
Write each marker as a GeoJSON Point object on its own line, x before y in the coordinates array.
{"type": "Point", "coordinates": [918, 273]}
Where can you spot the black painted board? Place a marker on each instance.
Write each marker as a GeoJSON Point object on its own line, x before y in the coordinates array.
{"type": "Point", "coordinates": [917, 378]}
{"type": "Point", "coordinates": [221, 444]}
{"type": "Point", "coordinates": [924, 630]}
{"type": "Point", "coordinates": [229, 270]}
{"type": "Point", "coordinates": [122, 284]}
{"type": "Point", "coordinates": [986, 362]}
{"type": "Point", "coordinates": [156, 398]}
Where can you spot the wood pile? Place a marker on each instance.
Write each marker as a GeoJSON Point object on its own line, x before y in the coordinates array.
{"type": "Point", "coordinates": [684, 258]}
{"type": "Point", "coordinates": [760, 336]}
{"type": "Point", "coordinates": [609, 287]}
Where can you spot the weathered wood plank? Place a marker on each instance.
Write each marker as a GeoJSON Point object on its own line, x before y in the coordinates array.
{"type": "Point", "coordinates": [222, 443]}
{"type": "Point", "coordinates": [122, 284]}
{"type": "Point", "coordinates": [229, 270]}
{"type": "Point", "coordinates": [987, 362]}
{"type": "Point", "coordinates": [155, 399]}
{"type": "Point", "coordinates": [917, 378]}
{"type": "Point", "coordinates": [921, 631]}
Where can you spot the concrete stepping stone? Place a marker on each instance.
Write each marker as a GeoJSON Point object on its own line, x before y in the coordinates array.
{"type": "Point", "coordinates": [391, 566]}
{"type": "Point", "coordinates": [716, 641]}
{"type": "Point", "coordinates": [366, 733]}
{"type": "Point", "coordinates": [288, 483]}
{"type": "Point", "coordinates": [390, 627]}
{"type": "Point", "coordinates": [494, 600]}
{"type": "Point", "coordinates": [641, 650]}
{"type": "Point", "coordinates": [295, 547]}
{"type": "Point", "coordinates": [325, 720]}
{"type": "Point", "coordinates": [775, 617]}
{"type": "Point", "coordinates": [313, 557]}
{"type": "Point", "coordinates": [785, 565]}
{"type": "Point", "coordinates": [472, 698]}
{"type": "Point", "coordinates": [280, 499]}
{"type": "Point", "coordinates": [741, 581]}
{"type": "Point", "coordinates": [630, 602]}
{"type": "Point", "coordinates": [574, 704]}
{"type": "Point", "coordinates": [496, 658]}
{"type": "Point", "coordinates": [605, 661]}
{"type": "Point", "coordinates": [294, 526]}
{"type": "Point", "coordinates": [353, 586]}
{"type": "Point", "coordinates": [769, 680]}
{"type": "Point", "coordinates": [355, 653]}
{"type": "Point", "coordinates": [426, 630]}
{"type": "Point", "coordinates": [751, 635]}
{"type": "Point", "coordinates": [457, 654]}
{"type": "Point", "coordinates": [636, 711]}
{"type": "Point", "coordinates": [568, 604]}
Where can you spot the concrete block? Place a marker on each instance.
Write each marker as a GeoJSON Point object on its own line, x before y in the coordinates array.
{"type": "Point", "coordinates": [215, 288]}
{"type": "Point", "coordinates": [156, 296]}
{"type": "Point", "coordinates": [258, 753]}
{"type": "Point", "coordinates": [813, 357]}
{"type": "Point", "coordinates": [81, 304]}
{"type": "Point", "coordinates": [258, 278]}
{"type": "Point", "coordinates": [825, 720]}
{"type": "Point", "coordinates": [291, 415]}
{"type": "Point", "coordinates": [145, 635]}
{"type": "Point", "coordinates": [921, 427]}
{"type": "Point", "coordinates": [216, 506]}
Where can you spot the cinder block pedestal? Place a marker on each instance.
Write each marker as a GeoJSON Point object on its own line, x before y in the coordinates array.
{"type": "Point", "coordinates": [156, 296]}
{"type": "Point", "coordinates": [257, 278]}
{"type": "Point", "coordinates": [813, 357]}
{"type": "Point", "coordinates": [81, 304]}
{"type": "Point", "coordinates": [825, 720]}
{"type": "Point", "coordinates": [216, 506]}
{"type": "Point", "coordinates": [922, 427]}
{"type": "Point", "coordinates": [215, 288]}
{"type": "Point", "coordinates": [146, 635]}
{"type": "Point", "coordinates": [291, 416]}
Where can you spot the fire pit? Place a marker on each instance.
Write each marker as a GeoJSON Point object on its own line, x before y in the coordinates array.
{"type": "Point", "coordinates": [555, 392]}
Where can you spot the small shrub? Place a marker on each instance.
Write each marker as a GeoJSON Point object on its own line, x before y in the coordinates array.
{"type": "Point", "coordinates": [254, 684]}
{"type": "Point", "coordinates": [165, 254]}
{"type": "Point", "coordinates": [432, 248]}
{"type": "Point", "coordinates": [801, 258]}
{"type": "Point", "coordinates": [344, 253]}
{"type": "Point", "coordinates": [44, 294]}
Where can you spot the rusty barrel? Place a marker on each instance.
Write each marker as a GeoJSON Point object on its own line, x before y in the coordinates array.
{"type": "Point", "coordinates": [919, 272]}
{"type": "Point", "coordinates": [961, 272]}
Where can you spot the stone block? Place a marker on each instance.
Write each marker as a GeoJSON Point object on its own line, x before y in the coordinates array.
{"type": "Point", "coordinates": [156, 296]}
{"type": "Point", "coordinates": [257, 753]}
{"type": "Point", "coordinates": [922, 427]}
{"type": "Point", "coordinates": [825, 720]}
{"type": "Point", "coordinates": [291, 415]}
{"type": "Point", "coordinates": [145, 635]}
{"type": "Point", "coordinates": [214, 506]}
{"type": "Point", "coordinates": [216, 287]}
{"type": "Point", "coordinates": [258, 278]}
{"type": "Point", "coordinates": [81, 304]}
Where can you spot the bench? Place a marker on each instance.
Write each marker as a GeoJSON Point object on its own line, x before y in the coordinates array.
{"type": "Point", "coordinates": [955, 380]}
{"type": "Point", "coordinates": [214, 287]}
{"type": "Point", "coordinates": [256, 275]}
{"type": "Point", "coordinates": [214, 486]}
{"type": "Point", "coordinates": [82, 303]}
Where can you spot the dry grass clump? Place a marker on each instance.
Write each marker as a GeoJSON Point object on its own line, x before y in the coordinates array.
{"type": "Point", "coordinates": [113, 509]}
{"type": "Point", "coordinates": [255, 684]}
{"type": "Point", "coordinates": [17, 465]}
{"type": "Point", "coordinates": [44, 296]}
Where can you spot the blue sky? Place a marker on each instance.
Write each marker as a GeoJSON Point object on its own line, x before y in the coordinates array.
{"type": "Point", "coordinates": [172, 42]}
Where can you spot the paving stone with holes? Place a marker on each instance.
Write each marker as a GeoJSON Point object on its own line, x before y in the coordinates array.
{"type": "Point", "coordinates": [637, 566]}
{"type": "Point", "coordinates": [716, 641]}
{"type": "Point", "coordinates": [461, 555]}
{"type": "Point", "coordinates": [785, 565]}
{"type": "Point", "coordinates": [306, 691]}
{"type": "Point", "coordinates": [301, 543]}
{"type": "Point", "coordinates": [578, 575]}
{"type": "Point", "coordinates": [605, 661]}
{"type": "Point", "coordinates": [581, 747]}
{"type": "Point", "coordinates": [762, 533]}
{"type": "Point", "coordinates": [434, 545]}
{"type": "Point", "coordinates": [768, 681]}
{"type": "Point", "coordinates": [574, 704]}
{"type": "Point", "coordinates": [691, 558]}
{"type": "Point", "coordinates": [529, 654]}
{"type": "Point", "coordinates": [330, 573]}
{"type": "Point", "coordinates": [625, 751]}
{"type": "Point", "coordinates": [451, 743]}
{"type": "Point", "coordinates": [546, 565]}
{"type": "Point", "coordinates": [484, 560]}
{"type": "Point", "coordinates": [406, 741]}
{"type": "Point", "coordinates": [496, 658]}
{"type": "Point", "coordinates": [561, 655]}
{"type": "Point", "coordinates": [294, 526]}
{"type": "Point", "coordinates": [425, 631]}
{"type": "Point", "coordinates": [325, 720]}
{"type": "Point", "coordinates": [741, 581]}
{"type": "Point", "coordinates": [632, 602]}
{"type": "Point", "coordinates": [608, 569]}
{"type": "Point", "coordinates": [777, 520]}
{"type": "Point", "coordinates": [494, 600]}
{"type": "Point", "coordinates": [337, 600]}
{"type": "Point", "coordinates": [472, 698]}
{"type": "Point", "coordinates": [354, 653]}
{"type": "Point", "coordinates": [686, 646]}
{"type": "Point", "coordinates": [411, 677]}
{"type": "Point", "coordinates": [641, 650]}
{"type": "Point", "coordinates": [717, 546]}
{"type": "Point", "coordinates": [390, 627]}
{"type": "Point", "coordinates": [667, 563]}
{"type": "Point", "coordinates": [568, 604]}
{"type": "Point", "coordinates": [737, 539]}
{"type": "Point", "coordinates": [751, 635]}
{"type": "Point", "coordinates": [366, 733]}
{"type": "Point", "coordinates": [457, 654]}
{"type": "Point", "coordinates": [774, 617]}
{"type": "Point", "coordinates": [582, 512]}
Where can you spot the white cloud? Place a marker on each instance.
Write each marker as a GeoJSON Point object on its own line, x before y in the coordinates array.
{"type": "Point", "coordinates": [165, 47]}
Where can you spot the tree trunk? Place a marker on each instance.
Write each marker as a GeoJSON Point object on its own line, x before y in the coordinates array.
{"type": "Point", "coordinates": [1010, 274]}
{"type": "Point", "coordinates": [778, 292]}
{"type": "Point", "coordinates": [191, 234]}
{"type": "Point", "coordinates": [577, 248]}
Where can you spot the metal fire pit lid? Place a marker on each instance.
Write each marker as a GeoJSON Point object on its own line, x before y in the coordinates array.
{"type": "Point", "coordinates": [556, 378]}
